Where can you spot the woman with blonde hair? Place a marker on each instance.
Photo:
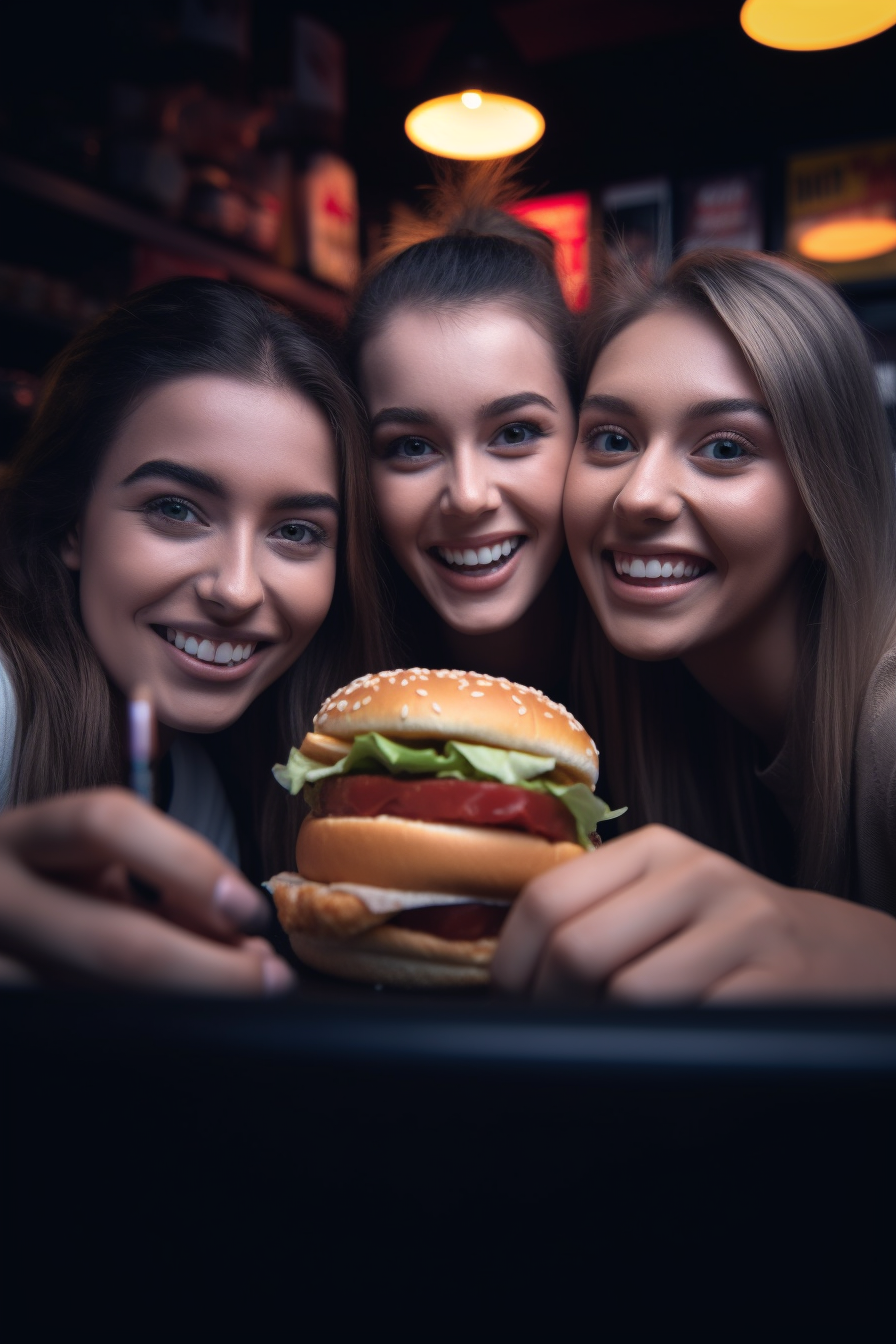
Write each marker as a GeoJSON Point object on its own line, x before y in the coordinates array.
{"type": "Point", "coordinates": [731, 513]}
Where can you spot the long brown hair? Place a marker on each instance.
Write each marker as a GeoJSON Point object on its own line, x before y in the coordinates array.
{"type": "Point", "coordinates": [673, 754]}
{"type": "Point", "coordinates": [68, 735]}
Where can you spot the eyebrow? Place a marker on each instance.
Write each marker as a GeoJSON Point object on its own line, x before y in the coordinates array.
{"type": "Point", "coordinates": [700, 410]}
{"type": "Point", "coordinates": [727, 406]}
{"type": "Point", "coordinates": [416, 415]}
{"type": "Point", "coordinates": [201, 480]}
{"type": "Point", "coordinates": [176, 471]}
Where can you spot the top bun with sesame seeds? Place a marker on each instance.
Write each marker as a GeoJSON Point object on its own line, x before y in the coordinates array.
{"type": "Point", "coordinates": [419, 703]}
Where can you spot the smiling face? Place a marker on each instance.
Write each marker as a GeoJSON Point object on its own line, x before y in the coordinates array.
{"type": "Point", "coordinates": [472, 429]}
{"type": "Point", "coordinates": [683, 520]}
{"type": "Point", "coordinates": [207, 549]}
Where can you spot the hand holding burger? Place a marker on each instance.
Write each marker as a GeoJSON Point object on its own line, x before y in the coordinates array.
{"type": "Point", "coordinates": [435, 797]}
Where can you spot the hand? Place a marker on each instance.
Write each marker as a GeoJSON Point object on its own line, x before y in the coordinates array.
{"type": "Point", "coordinates": [656, 917]}
{"type": "Point", "coordinates": [98, 888]}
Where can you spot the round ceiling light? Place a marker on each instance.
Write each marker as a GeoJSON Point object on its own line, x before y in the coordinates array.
{"type": "Point", "coordinates": [849, 239]}
{"type": "Point", "coordinates": [474, 125]}
{"type": "Point", "coordinates": [815, 25]}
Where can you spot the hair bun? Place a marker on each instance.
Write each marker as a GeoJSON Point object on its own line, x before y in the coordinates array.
{"type": "Point", "coordinates": [467, 200]}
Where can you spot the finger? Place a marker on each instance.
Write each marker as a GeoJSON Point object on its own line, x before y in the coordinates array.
{"type": "Point", "coordinates": [68, 937]}
{"type": "Point", "coordinates": [106, 828]}
{"type": "Point", "coordinates": [562, 893]}
{"type": "Point", "coordinates": [583, 954]}
{"type": "Point", "coordinates": [691, 964]}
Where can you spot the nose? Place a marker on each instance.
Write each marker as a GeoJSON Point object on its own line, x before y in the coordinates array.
{"type": "Point", "coordinates": [231, 581]}
{"type": "Point", "coordinates": [651, 490]}
{"type": "Point", "coordinates": [470, 489]}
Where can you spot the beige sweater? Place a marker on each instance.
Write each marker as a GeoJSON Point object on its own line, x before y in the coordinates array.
{"type": "Point", "coordinates": [874, 791]}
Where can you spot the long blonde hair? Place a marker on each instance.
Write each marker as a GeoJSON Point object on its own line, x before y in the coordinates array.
{"type": "Point", "coordinates": [674, 754]}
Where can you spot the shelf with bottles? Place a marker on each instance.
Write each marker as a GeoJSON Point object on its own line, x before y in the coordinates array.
{"type": "Point", "coordinates": [210, 256]}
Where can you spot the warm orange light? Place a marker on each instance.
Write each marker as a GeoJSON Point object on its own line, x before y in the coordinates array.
{"type": "Point", "coordinates": [815, 25]}
{"type": "Point", "coordinates": [474, 125]}
{"type": "Point", "coordinates": [849, 239]}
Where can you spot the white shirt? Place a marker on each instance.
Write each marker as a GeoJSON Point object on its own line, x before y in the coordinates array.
{"type": "Point", "coordinates": [197, 797]}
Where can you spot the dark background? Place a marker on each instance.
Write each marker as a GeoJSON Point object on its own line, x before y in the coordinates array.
{"type": "Point", "coordinates": [629, 90]}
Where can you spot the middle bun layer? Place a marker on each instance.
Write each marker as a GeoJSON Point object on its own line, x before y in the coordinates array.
{"type": "Point", "coordinates": [425, 856]}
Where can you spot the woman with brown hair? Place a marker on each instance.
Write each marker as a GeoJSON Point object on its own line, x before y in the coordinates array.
{"type": "Point", "coordinates": [731, 513]}
{"type": "Point", "coordinates": [189, 512]}
{"type": "Point", "coordinates": [463, 350]}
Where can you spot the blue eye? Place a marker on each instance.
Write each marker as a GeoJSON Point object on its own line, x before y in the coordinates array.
{"type": "Point", "coordinates": [723, 450]}
{"type": "Point", "coordinates": [301, 534]}
{"type": "Point", "coordinates": [410, 449]}
{"type": "Point", "coordinates": [175, 510]}
{"type": "Point", "coordinates": [611, 441]}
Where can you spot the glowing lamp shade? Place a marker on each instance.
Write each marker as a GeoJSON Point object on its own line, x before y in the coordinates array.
{"type": "Point", "coordinates": [849, 239]}
{"type": "Point", "coordinates": [815, 25]}
{"type": "Point", "coordinates": [474, 125]}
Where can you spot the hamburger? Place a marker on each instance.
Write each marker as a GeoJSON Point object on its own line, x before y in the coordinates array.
{"type": "Point", "coordinates": [434, 797]}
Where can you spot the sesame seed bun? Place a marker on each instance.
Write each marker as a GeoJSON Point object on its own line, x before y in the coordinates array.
{"type": "Point", "coordinates": [420, 703]}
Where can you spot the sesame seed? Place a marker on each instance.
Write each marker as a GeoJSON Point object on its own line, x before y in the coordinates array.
{"type": "Point", "coordinates": [420, 690]}
{"type": "Point", "coordinates": [477, 695]}
{"type": "Point", "coordinates": [548, 714]}
{"type": "Point", "coordinates": [516, 700]}
{"type": "Point", "coordinates": [321, 718]}
{"type": "Point", "coordinates": [356, 705]}
{"type": "Point", "coordinates": [341, 705]}
{"type": "Point", "coordinates": [404, 681]}
{"type": "Point", "coordinates": [522, 709]}
{"type": "Point", "coordinates": [404, 711]}
{"type": "Point", "coordinates": [436, 709]}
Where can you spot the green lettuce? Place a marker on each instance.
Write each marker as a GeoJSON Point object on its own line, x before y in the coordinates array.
{"type": "Point", "coordinates": [373, 754]}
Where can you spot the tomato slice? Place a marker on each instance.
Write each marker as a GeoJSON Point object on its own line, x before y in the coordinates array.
{"type": "Point", "coordinates": [467, 802]}
{"type": "Point", "coordinates": [456, 923]}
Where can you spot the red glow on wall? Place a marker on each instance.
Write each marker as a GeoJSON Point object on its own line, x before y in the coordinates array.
{"type": "Point", "coordinates": [566, 219]}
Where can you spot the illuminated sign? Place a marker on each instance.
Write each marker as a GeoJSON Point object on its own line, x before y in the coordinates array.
{"type": "Point", "coordinates": [566, 219]}
{"type": "Point", "coordinates": [841, 209]}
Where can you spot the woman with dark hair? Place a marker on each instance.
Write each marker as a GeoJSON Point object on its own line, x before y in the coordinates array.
{"type": "Point", "coordinates": [731, 512]}
{"type": "Point", "coordinates": [188, 512]}
{"type": "Point", "coordinates": [462, 346]}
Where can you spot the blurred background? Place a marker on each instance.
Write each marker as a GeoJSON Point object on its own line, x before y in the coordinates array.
{"type": "Point", "coordinates": [264, 141]}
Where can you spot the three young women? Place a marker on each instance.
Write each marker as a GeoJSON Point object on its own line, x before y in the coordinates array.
{"type": "Point", "coordinates": [188, 512]}
{"type": "Point", "coordinates": [731, 513]}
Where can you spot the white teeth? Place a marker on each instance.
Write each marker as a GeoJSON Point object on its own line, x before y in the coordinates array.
{"type": "Point", "coordinates": [655, 567]}
{"type": "Point", "coordinates": [224, 654]}
{"type": "Point", "coordinates": [485, 555]}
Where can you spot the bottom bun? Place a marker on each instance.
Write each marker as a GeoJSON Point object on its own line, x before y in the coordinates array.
{"type": "Point", "coordinates": [333, 931]}
{"type": "Point", "coordinates": [356, 960]}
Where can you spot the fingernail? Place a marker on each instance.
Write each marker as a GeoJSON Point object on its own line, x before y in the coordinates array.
{"type": "Point", "coordinates": [277, 976]}
{"type": "Point", "coordinates": [240, 903]}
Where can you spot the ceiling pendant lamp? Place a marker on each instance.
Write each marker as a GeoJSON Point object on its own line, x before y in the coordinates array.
{"type": "Point", "coordinates": [474, 125]}
{"type": "Point", "coordinates": [815, 25]}
{"type": "Point", "coordinates": [473, 102]}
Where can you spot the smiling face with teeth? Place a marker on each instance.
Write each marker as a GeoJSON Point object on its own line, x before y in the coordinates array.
{"type": "Point", "coordinates": [207, 550]}
{"type": "Point", "coordinates": [683, 519]}
{"type": "Point", "coordinates": [472, 429]}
